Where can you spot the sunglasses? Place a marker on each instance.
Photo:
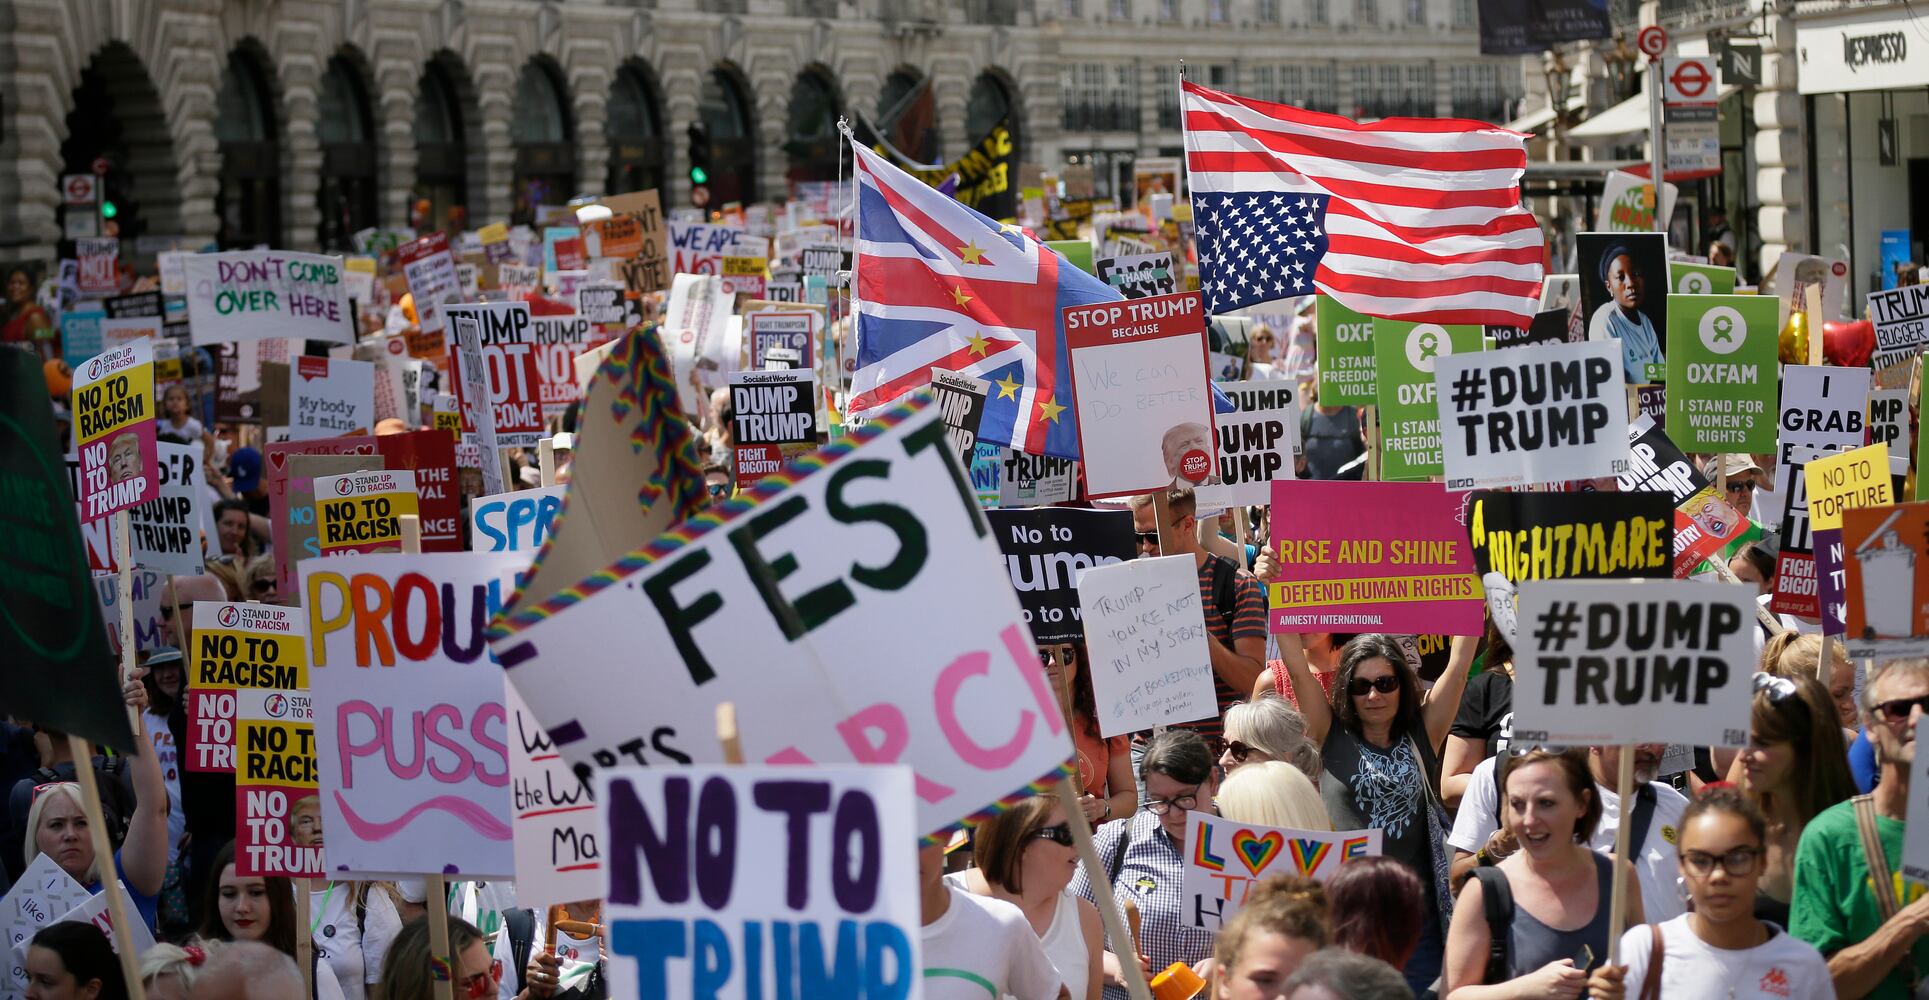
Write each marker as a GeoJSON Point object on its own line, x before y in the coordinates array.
{"type": "Point", "coordinates": [1238, 750]}
{"type": "Point", "coordinates": [483, 984]}
{"type": "Point", "coordinates": [1738, 862]}
{"type": "Point", "coordinates": [1898, 709]}
{"type": "Point", "coordinates": [262, 585]}
{"type": "Point", "coordinates": [1385, 685]}
{"type": "Point", "coordinates": [1060, 834]}
{"type": "Point", "coordinates": [1147, 537]}
{"type": "Point", "coordinates": [719, 489]}
{"type": "Point", "coordinates": [1741, 486]}
{"type": "Point", "coordinates": [1778, 689]}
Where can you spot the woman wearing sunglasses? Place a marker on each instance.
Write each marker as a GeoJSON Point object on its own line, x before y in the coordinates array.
{"type": "Point", "coordinates": [1268, 729]}
{"type": "Point", "coordinates": [1794, 767]}
{"type": "Point", "coordinates": [1024, 856]}
{"type": "Point", "coordinates": [1719, 949]}
{"type": "Point", "coordinates": [406, 971]}
{"type": "Point", "coordinates": [1379, 741]}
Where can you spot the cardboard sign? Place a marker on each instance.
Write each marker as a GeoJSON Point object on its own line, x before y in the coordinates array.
{"type": "Point", "coordinates": [278, 827]}
{"type": "Point", "coordinates": [1901, 317]}
{"type": "Point", "coordinates": [414, 669]}
{"type": "Point", "coordinates": [1139, 381]}
{"type": "Point", "coordinates": [429, 269]}
{"type": "Point", "coordinates": [114, 417]}
{"type": "Point", "coordinates": [256, 294]}
{"type": "Point", "coordinates": [1145, 632]}
{"type": "Point", "coordinates": [1722, 386]}
{"type": "Point", "coordinates": [961, 398]}
{"type": "Point", "coordinates": [1888, 580]}
{"type": "Point", "coordinates": [648, 269]}
{"type": "Point", "coordinates": [1046, 548]}
{"type": "Point", "coordinates": [987, 473]}
{"type": "Point", "coordinates": [1700, 279]}
{"type": "Point", "coordinates": [1371, 557]}
{"type": "Point", "coordinates": [1224, 860]}
{"type": "Point", "coordinates": [329, 397]}
{"type": "Point", "coordinates": [695, 326]}
{"type": "Point", "coordinates": [167, 530]}
{"type": "Point", "coordinates": [1405, 355]}
{"type": "Point", "coordinates": [1139, 276]}
{"type": "Point", "coordinates": [601, 301]}
{"type": "Point", "coordinates": [1532, 415]}
{"type": "Point", "coordinates": [775, 420]}
{"type": "Point", "coordinates": [787, 330]}
{"type": "Point", "coordinates": [759, 881]}
{"type": "Point", "coordinates": [93, 910]}
{"type": "Point", "coordinates": [362, 511]}
{"type": "Point", "coordinates": [1821, 413]}
{"type": "Point", "coordinates": [236, 647]}
{"type": "Point", "coordinates": [745, 275]}
{"type": "Point", "coordinates": [1634, 661]}
{"type": "Point", "coordinates": [556, 822]}
{"type": "Point", "coordinates": [699, 248]}
{"type": "Point", "coordinates": [1847, 480]}
{"type": "Point", "coordinates": [1551, 536]}
{"type": "Point", "coordinates": [1703, 522]}
{"type": "Point", "coordinates": [1889, 425]}
{"type": "Point", "coordinates": [150, 629]}
{"type": "Point", "coordinates": [1348, 375]}
{"type": "Point", "coordinates": [514, 522]}
{"type": "Point", "coordinates": [558, 341]}
{"type": "Point", "coordinates": [499, 339]}
{"type": "Point", "coordinates": [883, 527]}
{"type": "Point", "coordinates": [1258, 443]}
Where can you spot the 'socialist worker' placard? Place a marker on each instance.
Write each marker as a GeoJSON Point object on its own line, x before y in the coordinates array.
{"type": "Point", "coordinates": [1535, 414]}
{"type": "Point", "coordinates": [114, 430]}
{"type": "Point", "coordinates": [776, 418]}
{"type": "Point", "coordinates": [1258, 443]}
{"type": "Point", "coordinates": [1371, 557]}
{"type": "Point", "coordinates": [1405, 356]}
{"type": "Point", "coordinates": [1139, 378]}
{"type": "Point", "coordinates": [361, 511]}
{"type": "Point", "coordinates": [1722, 389]}
{"type": "Point", "coordinates": [1634, 661]}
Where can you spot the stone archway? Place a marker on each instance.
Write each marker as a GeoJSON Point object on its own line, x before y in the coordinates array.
{"type": "Point", "coordinates": [118, 120]}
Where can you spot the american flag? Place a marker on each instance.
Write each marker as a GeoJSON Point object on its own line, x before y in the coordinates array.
{"type": "Point", "coordinates": [939, 285]}
{"type": "Point", "coordinates": [1404, 218]}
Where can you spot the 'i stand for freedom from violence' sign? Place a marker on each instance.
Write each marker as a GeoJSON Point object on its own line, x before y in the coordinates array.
{"type": "Point", "coordinates": [1258, 443]}
{"type": "Point", "coordinates": [1346, 369]}
{"type": "Point", "coordinates": [1224, 860]}
{"type": "Point", "coordinates": [1634, 661]}
{"type": "Point", "coordinates": [114, 430]}
{"type": "Point", "coordinates": [866, 536]}
{"type": "Point", "coordinates": [362, 511]}
{"type": "Point", "coordinates": [1888, 580]}
{"type": "Point", "coordinates": [1145, 631]}
{"type": "Point", "coordinates": [1721, 372]}
{"type": "Point", "coordinates": [1139, 378]}
{"type": "Point", "coordinates": [1901, 318]}
{"type": "Point", "coordinates": [1537, 414]}
{"type": "Point", "coordinates": [1405, 355]}
{"type": "Point", "coordinates": [1046, 548]}
{"type": "Point", "coordinates": [776, 419]}
{"type": "Point", "coordinates": [237, 647]}
{"type": "Point", "coordinates": [1371, 557]}
{"type": "Point", "coordinates": [259, 294]}
{"type": "Point", "coordinates": [762, 882]}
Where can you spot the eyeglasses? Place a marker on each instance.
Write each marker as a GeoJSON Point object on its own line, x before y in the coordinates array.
{"type": "Point", "coordinates": [1778, 689]}
{"type": "Point", "coordinates": [1897, 710]}
{"type": "Point", "coordinates": [1060, 834]}
{"type": "Point", "coordinates": [1359, 686]}
{"type": "Point", "coordinates": [1738, 862]}
{"type": "Point", "coordinates": [1159, 807]}
{"type": "Point", "coordinates": [262, 585]}
{"type": "Point", "coordinates": [1238, 750]}
{"type": "Point", "coordinates": [1741, 486]}
{"type": "Point", "coordinates": [483, 984]}
{"type": "Point", "coordinates": [719, 489]}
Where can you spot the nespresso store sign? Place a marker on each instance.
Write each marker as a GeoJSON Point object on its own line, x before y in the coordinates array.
{"type": "Point", "coordinates": [1866, 51]}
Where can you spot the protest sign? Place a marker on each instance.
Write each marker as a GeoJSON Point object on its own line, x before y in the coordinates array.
{"type": "Point", "coordinates": [787, 330]}
{"type": "Point", "coordinates": [1627, 203]}
{"type": "Point", "coordinates": [1847, 480]}
{"type": "Point", "coordinates": [1258, 443]}
{"type": "Point", "coordinates": [1821, 413]}
{"type": "Point", "coordinates": [1347, 375]}
{"type": "Point", "coordinates": [1704, 522]}
{"type": "Point", "coordinates": [1901, 317]}
{"type": "Point", "coordinates": [1046, 548]}
{"type": "Point", "coordinates": [775, 419]}
{"type": "Point", "coordinates": [601, 301]}
{"type": "Point", "coordinates": [429, 269]}
{"type": "Point", "coordinates": [556, 823]}
{"type": "Point", "coordinates": [1371, 557]}
{"type": "Point", "coordinates": [1145, 634]}
{"type": "Point", "coordinates": [42, 894]}
{"type": "Point", "coordinates": [745, 276]}
{"type": "Point", "coordinates": [1624, 297]}
{"type": "Point", "coordinates": [954, 681]}
{"type": "Point", "coordinates": [125, 330]}
{"type": "Point", "coordinates": [1885, 564]}
{"type": "Point", "coordinates": [1036, 480]}
{"type": "Point", "coordinates": [329, 397]}
{"type": "Point", "coordinates": [414, 668]}
{"type": "Point", "coordinates": [1547, 326]}
{"type": "Point", "coordinates": [1722, 386]}
{"type": "Point", "coordinates": [114, 417]}
{"type": "Point", "coordinates": [1226, 859]}
{"type": "Point", "coordinates": [235, 647]}
{"type": "Point", "coordinates": [699, 247]}
{"type": "Point", "coordinates": [257, 294]}
{"type": "Point", "coordinates": [166, 531]}
{"type": "Point", "coordinates": [514, 522]}
{"type": "Point", "coordinates": [429, 454]}
{"type": "Point", "coordinates": [1139, 382]}
{"type": "Point", "coordinates": [961, 398]}
{"type": "Point", "coordinates": [1405, 355]}
{"type": "Point", "coordinates": [1538, 414]}
{"type": "Point", "coordinates": [361, 511]}
{"type": "Point", "coordinates": [648, 269]}
{"type": "Point", "coordinates": [558, 340]}
{"type": "Point", "coordinates": [80, 335]}
{"type": "Point", "coordinates": [1700, 279]}
{"type": "Point", "coordinates": [1915, 835]}
{"type": "Point", "coordinates": [695, 326]}
{"type": "Point", "coordinates": [730, 881]}
{"type": "Point", "coordinates": [150, 629]}
{"type": "Point", "coordinates": [1634, 661]}
{"type": "Point", "coordinates": [99, 265]}
{"type": "Point", "coordinates": [1889, 424]}
{"type": "Point", "coordinates": [295, 516]}
{"type": "Point", "coordinates": [1139, 276]}
{"type": "Point", "coordinates": [987, 473]}
{"type": "Point", "coordinates": [498, 338]}
{"type": "Point", "coordinates": [277, 809]}
{"type": "Point", "coordinates": [563, 250]}
{"type": "Point", "coordinates": [93, 909]}
{"type": "Point", "coordinates": [1549, 536]}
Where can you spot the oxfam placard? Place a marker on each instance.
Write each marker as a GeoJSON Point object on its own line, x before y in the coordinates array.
{"type": "Point", "coordinates": [1722, 389]}
{"type": "Point", "coordinates": [1346, 369]}
{"type": "Point", "coordinates": [1409, 412]}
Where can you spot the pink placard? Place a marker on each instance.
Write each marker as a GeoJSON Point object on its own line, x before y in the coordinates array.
{"type": "Point", "coordinates": [1371, 557]}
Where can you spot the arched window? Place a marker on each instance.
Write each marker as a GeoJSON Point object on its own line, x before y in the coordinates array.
{"type": "Point", "coordinates": [637, 155]}
{"type": "Point", "coordinates": [441, 146]}
{"type": "Point", "coordinates": [725, 115]}
{"type": "Point", "coordinates": [810, 127]}
{"type": "Point", "coordinates": [541, 130]}
{"type": "Point", "coordinates": [907, 114]}
{"type": "Point", "coordinates": [116, 123]}
{"type": "Point", "coordinates": [248, 204]}
{"type": "Point", "coordinates": [348, 198]}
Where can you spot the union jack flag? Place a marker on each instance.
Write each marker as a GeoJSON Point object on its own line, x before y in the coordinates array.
{"type": "Point", "coordinates": [939, 285]}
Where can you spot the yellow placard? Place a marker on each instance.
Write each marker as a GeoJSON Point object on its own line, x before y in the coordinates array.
{"type": "Point", "coordinates": [276, 753]}
{"type": "Point", "coordinates": [1845, 481]}
{"type": "Point", "coordinates": [745, 267]}
{"type": "Point", "coordinates": [362, 511]}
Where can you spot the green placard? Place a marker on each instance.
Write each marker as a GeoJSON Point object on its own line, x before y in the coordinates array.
{"type": "Point", "coordinates": [1345, 355]}
{"type": "Point", "coordinates": [1723, 394]}
{"type": "Point", "coordinates": [1409, 414]}
{"type": "Point", "coordinates": [1079, 252]}
{"type": "Point", "coordinates": [1700, 279]}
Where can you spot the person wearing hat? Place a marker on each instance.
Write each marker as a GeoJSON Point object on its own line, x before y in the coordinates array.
{"type": "Point", "coordinates": [244, 479]}
{"type": "Point", "coordinates": [1744, 477]}
{"type": "Point", "coordinates": [1621, 317]}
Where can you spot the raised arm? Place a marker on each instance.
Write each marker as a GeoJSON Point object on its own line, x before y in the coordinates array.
{"type": "Point", "coordinates": [1442, 701]}
{"type": "Point", "coordinates": [1313, 705]}
{"type": "Point", "coordinates": [144, 851]}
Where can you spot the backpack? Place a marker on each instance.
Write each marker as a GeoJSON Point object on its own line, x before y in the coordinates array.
{"type": "Point", "coordinates": [1497, 902]}
{"type": "Point", "coordinates": [1225, 589]}
{"type": "Point", "coordinates": [116, 802]}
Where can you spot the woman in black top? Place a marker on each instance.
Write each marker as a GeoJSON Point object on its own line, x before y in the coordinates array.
{"type": "Point", "coordinates": [1485, 723]}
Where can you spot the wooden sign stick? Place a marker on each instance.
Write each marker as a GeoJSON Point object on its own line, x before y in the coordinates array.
{"type": "Point", "coordinates": [1618, 902]}
{"type": "Point", "coordinates": [727, 733]}
{"type": "Point", "coordinates": [117, 908]}
{"type": "Point", "coordinates": [304, 933]}
{"type": "Point", "coordinates": [438, 884]}
{"type": "Point", "coordinates": [546, 460]}
{"type": "Point", "coordinates": [124, 555]}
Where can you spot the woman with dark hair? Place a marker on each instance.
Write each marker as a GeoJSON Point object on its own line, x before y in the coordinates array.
{"type": "Point", "coordinates": [1754, 565]}
{"type": "Point", "coordinates": [1484, 726]}
{"type": "Point", "coordinates": [1375, 909]}
{"type": "Point", "coordinates": [1106, 788]}
{"type": "Point", "coordinates": [1024, 856]}
{"type": "Point", "coordinates": [1794, 767]}
{"type": "Point", "coordinates": [73, 961]}
{"type": "Point", "coordinates": [248, 908]}
{"type": "Point", "coordinates": [1282, 922]}
{"type": "Point", "coordinates": [24, 320]}
{"type": "Point", "coordinates": [1379, 740]}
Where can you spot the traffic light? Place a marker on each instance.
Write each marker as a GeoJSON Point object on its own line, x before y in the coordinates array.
{"type": "Point", "coordinates": [699, 158]}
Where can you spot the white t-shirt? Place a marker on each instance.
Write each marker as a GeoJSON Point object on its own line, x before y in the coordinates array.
{"type": "Point", "coordinates": [576, 956]}
{"type": "Point", "coordinates": [1655, 868]}
{"type": "Point", "coordinates": [983, 949]}
{"type": "Point", "coordinates": [170, 760]}
{"type": "Point", "coordinates": [354, 953]}
{"type": "Point", "coordinates": [1781, 968]}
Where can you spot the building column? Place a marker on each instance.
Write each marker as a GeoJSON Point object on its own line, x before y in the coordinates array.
{"type": "Point", "coordinates": [1781, 149]}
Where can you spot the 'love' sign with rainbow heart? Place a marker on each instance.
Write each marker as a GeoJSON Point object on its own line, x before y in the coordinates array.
{"type": "Point", "coordinates": [1226, 859]}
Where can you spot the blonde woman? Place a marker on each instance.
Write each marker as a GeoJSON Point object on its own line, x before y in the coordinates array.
{"type": "Point", "coordinates": [1273, 793]}
{"type": "Point", "coordinates": [1268, 729]}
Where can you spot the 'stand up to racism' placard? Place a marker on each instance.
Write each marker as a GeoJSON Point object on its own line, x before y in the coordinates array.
{"type": "Point", "coordinates": [278, 826]}
{"type": "Point", "coordinates": [1146, 632]}
{"type": "Point", "coordinates": [1634, 661]}
{"type": "Point", "coordinates": [1371, 557]}
{"type": "Point", "coordinates": [114, 420]}
{"type": "Point", "coordinates": [1224, 860]}
{"type": "Point", "coordinates": [761, 882]}
{"type": "Point", "coordinates": [847, 549]}
{"type": "Point", "coordinates": [1139, 375]}
{"type": "Point", "coordinates": [1537, 414]}
{"type": "Point", "coordinates": [236, 647]}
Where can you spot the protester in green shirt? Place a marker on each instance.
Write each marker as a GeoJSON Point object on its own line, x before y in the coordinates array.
{"type": "Point", "coordinates": [1836, 906]}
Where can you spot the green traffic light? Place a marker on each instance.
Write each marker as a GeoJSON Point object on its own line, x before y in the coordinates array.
{"type": "Point", "coordinates": [108, 210]}
{"type": "Point", "coordinates": [698, 175]}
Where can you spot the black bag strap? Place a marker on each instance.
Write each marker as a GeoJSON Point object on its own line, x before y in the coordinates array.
{"type": "Point", "coordinates": [1500, 794]}
{"type": "Point", "coordinates": [1225, 589]}
{"type": "Point", "coordinates": [522, 936]}
{"type": "Point", "coordinates": [1497, 901]}
{"type": "Point", "coordinates": [1641, 818]}
{"type": "Point", "coordinates": [1118, 852]}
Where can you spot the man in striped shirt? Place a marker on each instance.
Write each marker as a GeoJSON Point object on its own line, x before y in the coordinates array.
{"type": "Point", "coordinates": [1234, 602]}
